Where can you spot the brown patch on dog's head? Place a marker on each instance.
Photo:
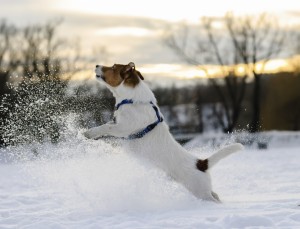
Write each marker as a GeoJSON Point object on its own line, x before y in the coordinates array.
{"type": "Point", "coordinates": [202, 165]}
{"type": "Point", "coordinates": [131, 75]}
{"type": "Point", "coordinates": [118, 73]}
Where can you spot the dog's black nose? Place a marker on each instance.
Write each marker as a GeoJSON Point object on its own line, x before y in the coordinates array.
{"type": "Point", "coordinates": [97, 66]}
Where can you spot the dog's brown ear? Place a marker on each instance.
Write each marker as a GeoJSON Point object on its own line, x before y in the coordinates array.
{"type": "Point", "coordinates": [129, 67]}
{"type": "Point", "coordinates": [140, 75]}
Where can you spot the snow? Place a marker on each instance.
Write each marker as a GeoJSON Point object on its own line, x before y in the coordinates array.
{"type": "Point", "coordinates": [96, 184]}
{"type": "Point", "coordinates": [273, 139]}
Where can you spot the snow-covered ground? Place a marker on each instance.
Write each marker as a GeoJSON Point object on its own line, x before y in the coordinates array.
{"type": "Point", "coordinates": [95, 184]}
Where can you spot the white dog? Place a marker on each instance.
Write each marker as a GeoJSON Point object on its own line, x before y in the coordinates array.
{"type": "Point", "coordinates": [137, 118]}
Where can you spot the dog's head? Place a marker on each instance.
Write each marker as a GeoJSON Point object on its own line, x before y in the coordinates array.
{"type": "Point", "coordinates": [117, 74]}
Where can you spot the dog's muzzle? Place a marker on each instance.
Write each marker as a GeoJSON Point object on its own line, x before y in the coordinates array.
{"type": "Point", "coordinates": [98, 72]}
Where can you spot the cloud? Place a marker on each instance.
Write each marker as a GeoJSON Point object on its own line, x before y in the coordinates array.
{"type": "Point", "coordinates": [129, 31]}
{"type": "Point", "coordinates": [126, 38]}
{"type": "Point", "coordinates": [108, 21]}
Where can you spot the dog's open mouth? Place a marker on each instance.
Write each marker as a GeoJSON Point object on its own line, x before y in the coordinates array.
{"type": "Point", "coordinates": [101, 76]}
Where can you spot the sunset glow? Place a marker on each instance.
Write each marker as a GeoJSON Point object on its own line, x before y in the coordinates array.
{"type": "Point", "coordinates": [186, 72]}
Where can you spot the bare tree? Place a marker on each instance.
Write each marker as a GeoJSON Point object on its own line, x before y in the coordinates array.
{"type": "Point", "coordinates": [40, 54]}
{"type": "Point", "coordinates": [208, 47]}
{"type": "Point", "coordinates": [249, 40]}
{"type": "Point", "coordinates": [7, 32]}
{"type": "Point", "coordinates": [35, 106]}
{"type": "Point", "coordinates": [256, 40]}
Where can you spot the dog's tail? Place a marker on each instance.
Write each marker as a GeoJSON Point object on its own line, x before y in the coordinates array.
{"type": "Point", "coordinates": [208, 163]}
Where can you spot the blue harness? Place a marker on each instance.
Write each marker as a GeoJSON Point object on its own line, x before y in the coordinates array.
{"type": "Point", "coordinates": [148, 128]}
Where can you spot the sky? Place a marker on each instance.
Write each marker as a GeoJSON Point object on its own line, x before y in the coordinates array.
{"type": "Point", "coordinates": [133, 30]}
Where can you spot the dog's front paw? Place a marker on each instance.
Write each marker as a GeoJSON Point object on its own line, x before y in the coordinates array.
{"type": "Point", "coordinates": [90, 134]}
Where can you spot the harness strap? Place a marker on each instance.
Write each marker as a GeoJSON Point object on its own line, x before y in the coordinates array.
{"type": "Point", "coordinates": [148, 128]}
{"type": "Point", "coordinates": [125, 101]}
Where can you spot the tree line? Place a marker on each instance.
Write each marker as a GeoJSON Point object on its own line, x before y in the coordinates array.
{"type": "Point", "coordinates": [231, 41]}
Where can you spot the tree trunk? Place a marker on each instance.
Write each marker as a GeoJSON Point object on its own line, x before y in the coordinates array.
{"type": "Point", "coordinates": [3, 90]}
{"type": "Point", "coordinates": [255, 122]}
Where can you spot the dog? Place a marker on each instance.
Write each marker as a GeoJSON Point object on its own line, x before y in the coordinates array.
{"type": "Point", "coordinates": [138, 120]}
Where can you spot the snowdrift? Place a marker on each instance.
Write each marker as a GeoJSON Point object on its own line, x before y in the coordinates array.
{"type": "Point", "coordinates": [83, 183]}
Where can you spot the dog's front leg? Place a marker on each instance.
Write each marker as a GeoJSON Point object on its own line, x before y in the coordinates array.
{"type": "Point", "coordinates": [107, 129]}
{"type": "Point", "coordinates": [96, 132]}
